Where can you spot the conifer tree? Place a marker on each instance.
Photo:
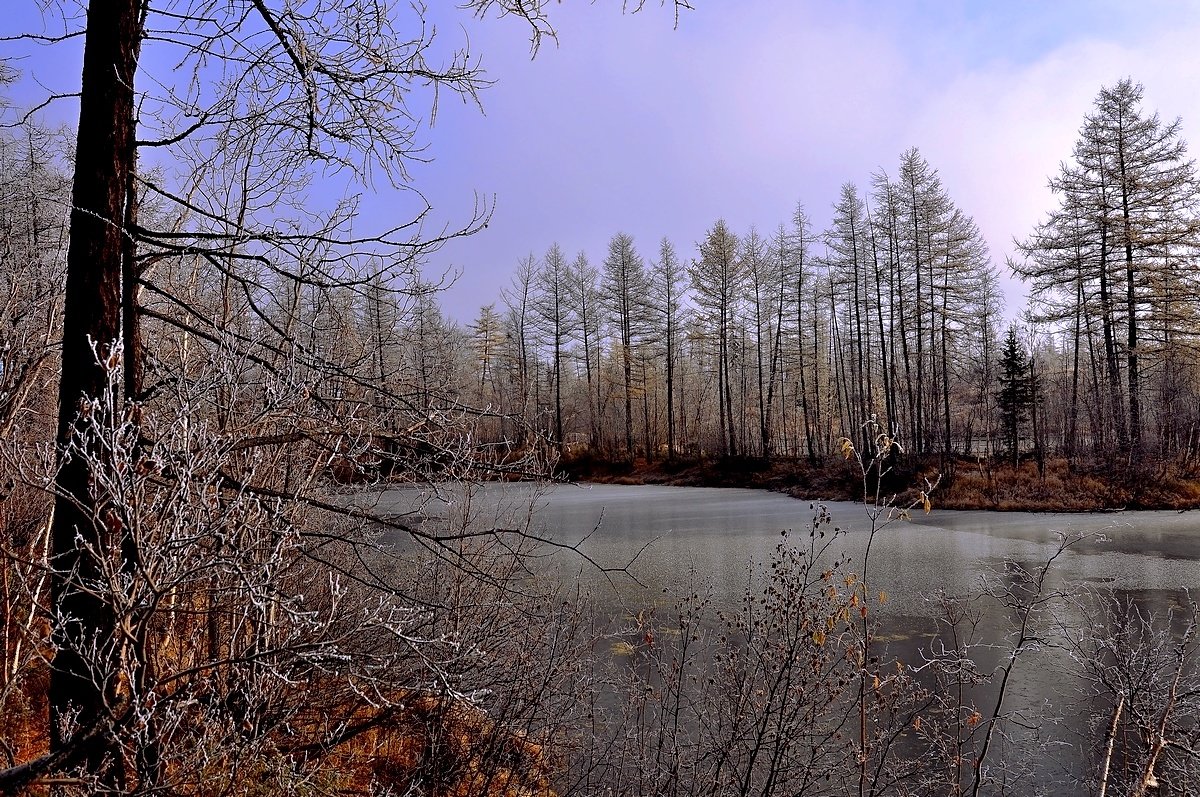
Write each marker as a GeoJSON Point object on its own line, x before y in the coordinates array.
{"type": "Point", "coordinates": [1016, 394]}
{"type": "Point", "coordinates": [717, 279]}
{"type": "Point", "coordinates": [624, 290]}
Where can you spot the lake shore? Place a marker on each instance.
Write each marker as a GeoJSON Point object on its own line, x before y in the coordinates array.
{"type": "Point", "coordinates": [969, 484]}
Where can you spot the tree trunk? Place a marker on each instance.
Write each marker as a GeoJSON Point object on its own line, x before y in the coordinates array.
{"type": "Point", "coordinates": [1073, 418]}
{"type": "Point", "coordinates": [670, 381]}
{"type": "Point", "coordinates": [884, 344]}
{"type": "Point", "coordinates": [558, 415]}
{"type": "Point", "coordinates": [92, 316]}
{"type": "Point", "coordinates": [802, 386]}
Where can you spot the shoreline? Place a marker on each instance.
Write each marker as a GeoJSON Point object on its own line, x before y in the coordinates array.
{"type": "Point", "coordinates": [969, 486]}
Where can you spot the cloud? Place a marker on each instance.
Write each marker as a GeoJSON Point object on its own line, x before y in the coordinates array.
{"type": "Point", "coordinates": [997, 134]}
{"type": "Point", "coordinates": [630, 125]}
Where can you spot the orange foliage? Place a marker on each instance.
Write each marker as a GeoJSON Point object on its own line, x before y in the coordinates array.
{"type": "Point", "coordinates": [451, 748]}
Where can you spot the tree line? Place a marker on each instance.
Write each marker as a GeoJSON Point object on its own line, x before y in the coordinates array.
{"type": "Point", "coordinates": [780, 343]}
{"type": "Point", "coordinates": [756, 344]}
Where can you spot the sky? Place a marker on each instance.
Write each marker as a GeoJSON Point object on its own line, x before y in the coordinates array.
{"type": "Point", "coordinates": [628, 123]}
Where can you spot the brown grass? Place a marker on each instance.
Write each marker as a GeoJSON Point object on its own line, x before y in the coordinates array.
{"type": "Point", "coordinates": [1058, 488]}
{"type": "Point", "coordinates": [452, 748]}
{"type": "Point", "coordinates": [970, 484]}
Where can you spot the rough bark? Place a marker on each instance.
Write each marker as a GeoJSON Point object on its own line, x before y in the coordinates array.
{"type": "Point", "coordinates": [92, 317]}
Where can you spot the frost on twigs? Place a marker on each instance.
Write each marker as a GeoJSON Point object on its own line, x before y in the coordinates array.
{"type": "Point", "coordinates": [250, 636]}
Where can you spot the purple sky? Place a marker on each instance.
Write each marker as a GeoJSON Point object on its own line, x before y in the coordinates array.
{"type": "Point", "coordinates": [748, 107]}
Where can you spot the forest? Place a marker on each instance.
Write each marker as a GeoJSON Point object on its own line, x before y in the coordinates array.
{"type": "Point", "coordinates": [779, 345]}
{"type": "Point", "coordinates": [207, 366]}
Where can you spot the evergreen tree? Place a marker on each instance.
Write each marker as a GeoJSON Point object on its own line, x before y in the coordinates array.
{"type": "Point", "coordinates": [1016, 394]}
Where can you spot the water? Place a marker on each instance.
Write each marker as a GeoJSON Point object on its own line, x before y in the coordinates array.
{"type": "Point", "coordinates": [672, 541]}
{"type": "Point", "coordinates": [670, 536]}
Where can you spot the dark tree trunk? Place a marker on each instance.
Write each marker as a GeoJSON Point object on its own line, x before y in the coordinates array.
{"type": "Point", "coordinates": [1131, 351]}
{"type": "Point", "coordinates": [670, 380]}
{"type": "Point", "coordinates": [626, 353]}
{"type": "Point", "coordinates": [816, 442]}
{"type": "Point", "coordinates": [764, 433]}
{"type": "Point", "coordinates": [919, 411]}
{"type": "Point", "coordinates": [1112, 369]}
{"type": "Point", "coordinates": [947, 448]}
{"type": "Point", "coordinates": [1073, 418]}
{"type": "Point", "coordinates": [884, 343]}
{"type": "Point", "coordinates": [776, 357]}
{"type": "Point", "coordinates": [92, 316]}
{"type": "Point", "coordinates": [558, 336]}
{"type": "Point", "coordinates": [802, 369]}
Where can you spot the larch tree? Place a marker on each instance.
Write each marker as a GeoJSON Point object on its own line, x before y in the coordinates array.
{"type": "Point", "coordinates": [1128, 204]}
{"type": "Point", "coordinates": [487, 336]}
{"type": "Point", "coordinates": [965, 288]}
{"type": "Point", "coordinates": [890, 287]}
{"type": "Point", "coordinates": [800, 291]}
{"type": "Point", "coordinates": [583, 294]}
{"type": "Point", "coordinates": [785, 262]}
{"type": "Point", "coordinates": [759, 266]}
{"type": "Point", "coordinates": [1058, 261]}
{"type": "Point", "coordinates": [1154, 202]}
{"type": "Point", "coordinates": [847, 261]}
{"type": "Point", "coordinates": [667, 286]}
{"type": "Point", "coordinates": [33, 234]}
{"type": "Point", "coordinates": [924, 208]}
{"type": "Point", "coordinates": [717, 282]}
{"type": "Point", "coordinates": [624, 290]}
{"type": "Point", "coordinates": [521, 355]}
{"type": "Point", "coordinates": [552, 308]}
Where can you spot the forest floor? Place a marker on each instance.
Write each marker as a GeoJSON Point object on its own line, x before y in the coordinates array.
{"type": "Point", "coordinates": [967, 484]}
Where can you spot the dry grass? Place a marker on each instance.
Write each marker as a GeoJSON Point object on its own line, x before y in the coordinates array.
{"type": "Point", "coordinates": [1058, 488]}
{"type": "Point", "coordinates": [451, 748]}
{"type": "Point", "coordinates": [974, 484]}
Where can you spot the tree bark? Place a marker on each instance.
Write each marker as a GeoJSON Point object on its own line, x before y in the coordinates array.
{"type": "Point", "coordinates": [92, 317]}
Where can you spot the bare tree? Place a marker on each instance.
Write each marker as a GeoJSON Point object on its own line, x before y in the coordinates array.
{"type": "Point", "coordinates": [1139, 662]}
{"type": "Point", "coordinates": [717, 279]}
{"type": "Point", "coordinates": [522, 360]}
{"type": "Point", "coordinates": [585, 306]}
{"type": "Point", "coordinates": [1128, 203]}
{"type": "Point", "coordinates": [624, 290]}
{"type": "Point", "coordinates": [666, 277]}
{"type": "Point", "coordinates": [552, 306]}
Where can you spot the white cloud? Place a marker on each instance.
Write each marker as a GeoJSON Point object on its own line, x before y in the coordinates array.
{"type": "Point", "coordinates": [749, 107]}
{"type": "Point", "coordinates": [998, 134]}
